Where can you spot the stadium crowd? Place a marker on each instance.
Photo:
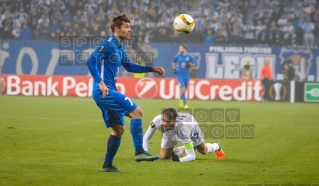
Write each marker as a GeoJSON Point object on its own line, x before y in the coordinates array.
{"type": "Point", "coordinates": [256, 22]}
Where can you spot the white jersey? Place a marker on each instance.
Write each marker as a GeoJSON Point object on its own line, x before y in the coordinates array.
{"type": "Point", "coordinates": [185, 131]}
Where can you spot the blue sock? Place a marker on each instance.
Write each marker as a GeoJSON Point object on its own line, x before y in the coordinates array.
{"type": "Point", "coordinates": [183, 97]}
{"type": "Point", "coordinates": [113, 145]}
{"type": "Point", "coordinates": [137, 134]}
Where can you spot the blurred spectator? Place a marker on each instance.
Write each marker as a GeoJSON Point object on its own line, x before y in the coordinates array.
{"type": "Point", "coordinates": [288, 33]}
{"type": "Point", "coordinates": [262, 36]}
{"type": "Point", "coordinates": [246, 72]}
{"type": "Point", "coordinates": [249, 32]}
{"type": "Point", "coordinates": [235, 37]}
{"type": "Point", "coordinates": [37, 33]}
{"type": "Point", "coordinates": [299, 30]}
{"type": "Point", "coordinates": [276, 14]}
{"type": "Point", "coordinates": [44, 19]}
{"type": "Point", "coordinates": [309, 6]}
{"type": "Point", "coordinates": [21, 15]}
{"type": "Point", "coordinates": [25, 33]}
{"type": "Point", "coordinates": [259, 27]}
{"type": "Point", "coordinates": [266, 78]}
{"type": "Point", "coordinates": [16, 32]}
{"type": "Point", "coordinates": [238, 24]}
{"type": "Point", "coordinates": [6, 33]}
{"type": "Point", "coordinates": [152, 16]}
{"type": "Point", "coordinates": [220, 37]}
{"type": "Point", "coordinates": [209, 38]}
{"type": "Point", "coordinates": [308, 29]}
{"type": "Point", "coordinates": [33, 17]}
{"type": "Point", "coordinates": [53, 36]}
{"type": "Point", "coordinates": [44, 32]}
{"type": "Point", "coordinates": [282, 21]}
{"type": "Point", "coordinates": [55, 26]}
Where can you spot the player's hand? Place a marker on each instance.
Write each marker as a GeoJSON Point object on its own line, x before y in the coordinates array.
{"type": "Point", "coordinates": [104, 89]}
{"type": "Point", "coordinates": [175, 157]}
{"type": "Point", "coordinates": [158, 70]}
{"type": "Point", "coordinates": [175, 71]}
{"type": "Point", "coordinates": [187, 65]}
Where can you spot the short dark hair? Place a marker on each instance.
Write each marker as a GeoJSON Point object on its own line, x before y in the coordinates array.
{"type": "Point", "coordinates": [171, 113]}
{"type": "Point", "coordinates": [118, 20]}
{"type": "Point", "coordinates": [184, 46]}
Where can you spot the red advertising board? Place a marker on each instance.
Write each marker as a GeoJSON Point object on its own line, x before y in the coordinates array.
{"type": "Point", "coordinates": [145, 88]}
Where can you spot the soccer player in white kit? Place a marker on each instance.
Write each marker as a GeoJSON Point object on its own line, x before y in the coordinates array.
{"type": "Point", "coordinates": [180, 127]}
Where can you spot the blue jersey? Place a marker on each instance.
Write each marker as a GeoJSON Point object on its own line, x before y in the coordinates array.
{"type": "Point", "coordinates": [181, 61]}
{"type": "Point", "coordinates": [105, 62]}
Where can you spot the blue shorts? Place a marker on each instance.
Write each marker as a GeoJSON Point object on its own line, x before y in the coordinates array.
{"type": "Point", "coordinates": [182, 81]}
{"type": "Point", "coordinates": [114, 107]}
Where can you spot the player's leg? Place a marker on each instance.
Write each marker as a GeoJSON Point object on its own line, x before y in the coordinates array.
{"type": "Point", "coordinates": [186, 80]}
{"type": "Point", "coordinates": [167, 146]}
{"type": "Point", "coordinates": [207, 148]}
{"type": "Point", "coordinates": [166, 153]}
{"type": "Point", "coordinates": [136, 128]}
{"type": "Point", "coordinates": [181, 83]}
{"type": "Point", "coordinates": [179, 150]}
{"type": "Point", "coordinates": [266, 84]}
{"type": "Point", "coordinates": [114, 139]}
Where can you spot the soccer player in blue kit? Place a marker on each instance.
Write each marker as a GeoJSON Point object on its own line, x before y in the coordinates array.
{"type": "Point", "coordinates": [183, 61]}
{"type": "Point", "coordinates": [104, 64]}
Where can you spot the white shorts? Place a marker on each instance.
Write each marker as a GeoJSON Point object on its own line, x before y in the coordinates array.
{"type": "Point", "coordinates": [171, 141]}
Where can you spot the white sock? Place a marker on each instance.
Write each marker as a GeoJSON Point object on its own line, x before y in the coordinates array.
{"type": "Point", "coordinates": [179, 150]}
{"type": "Point", "coordinates": [211, 147]}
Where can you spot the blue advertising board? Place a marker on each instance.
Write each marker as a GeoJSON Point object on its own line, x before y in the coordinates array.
{"type": "Point", "coordinates": [214, 62]}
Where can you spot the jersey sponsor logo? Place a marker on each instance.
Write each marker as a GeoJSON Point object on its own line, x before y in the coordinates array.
{"type": "Point", "coordinates": [146, 88]}
{"type": "Point", "coordinates": [101, 48]}
{"type": "Point", "coordinates": [152, 125]}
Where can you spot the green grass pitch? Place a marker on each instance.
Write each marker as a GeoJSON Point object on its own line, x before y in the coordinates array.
{"type": "Point", "coordinates": [62, 141]}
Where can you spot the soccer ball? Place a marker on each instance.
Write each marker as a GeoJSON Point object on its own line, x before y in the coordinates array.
{"type": "Point", "coordinates": [184, 23]}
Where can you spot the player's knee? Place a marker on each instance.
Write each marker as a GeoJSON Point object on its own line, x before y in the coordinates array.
{"type": "Point", "coordinates": [118, 131]}
{"type": "Point", "coordinates": [183, 90]}
{"type": "Point", "coordinates": [165, 157]}
{"type": "Point", "coordinates": [202, 148]}
{"type": "Point", "coordinates": [137, 113]}
{"type": "Point", "coordinates": [202, 151]}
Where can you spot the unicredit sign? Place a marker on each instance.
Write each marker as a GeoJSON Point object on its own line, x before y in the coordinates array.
{"type": "Point", "coordinates": [145, 88]}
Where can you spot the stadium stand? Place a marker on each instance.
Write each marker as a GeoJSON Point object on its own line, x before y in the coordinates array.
{"type": "Point", "coordinates": [227, 22]}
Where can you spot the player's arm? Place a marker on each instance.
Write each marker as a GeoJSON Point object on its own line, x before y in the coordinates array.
{"type": "Point", "coordinates": [150, 132]}
{"type": "Point", "coordinates": [191, 63]}
{"type": "Point", "coordinates": [185, 135]}
{"type": "Point", "coordinates": [174, 66]}
{"type": "Point", "coordinates": [190, 153]}
{"type": "Point", "coordinates": [147, 136]}
{"type": "Point", "coordinates": [95, 59]}
{"type": "Point", "coordinates": [131, 67]}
